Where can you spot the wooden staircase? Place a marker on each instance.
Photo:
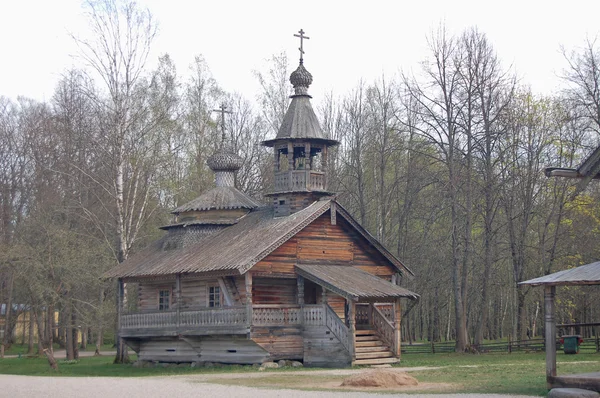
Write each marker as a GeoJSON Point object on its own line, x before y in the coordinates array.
{"type": "Point", "coordinates": [370, 350]}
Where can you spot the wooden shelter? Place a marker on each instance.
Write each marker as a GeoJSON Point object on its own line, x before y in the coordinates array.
{"type": "Point", "coordinates": [584, 275]}
{"type": "Point", "coordinates": [300, 279]}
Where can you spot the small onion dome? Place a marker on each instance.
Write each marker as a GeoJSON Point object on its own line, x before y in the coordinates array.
{"type": "Point", "coordinates": [301, 79]}
{"type": "Point", "coordinates": [224, 161]}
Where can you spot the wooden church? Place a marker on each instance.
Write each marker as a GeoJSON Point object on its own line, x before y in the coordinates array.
{"type": "Point", "coordinates": [300, 279]}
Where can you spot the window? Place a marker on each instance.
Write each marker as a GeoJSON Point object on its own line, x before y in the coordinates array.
{"type": "Point", "coordinates": [214, 296]}
{"type": "Point", "coordinates": [164, 299]}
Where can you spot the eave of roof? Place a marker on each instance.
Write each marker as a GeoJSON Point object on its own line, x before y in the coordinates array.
{"type": "Point", "coordinates": [588, 274]}
{"type": "Point", "coordinates": [353, 283]}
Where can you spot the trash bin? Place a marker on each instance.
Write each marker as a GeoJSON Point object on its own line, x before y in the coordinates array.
{"type": "Point", "coordinates": [571, 343]}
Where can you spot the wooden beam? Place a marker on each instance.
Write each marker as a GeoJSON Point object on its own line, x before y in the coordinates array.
{"type": "Point", "coordinates": [248, 281]}
{"type": "Point", "coordinates": [397, 320]}
{"type": "Point", "coordinates": [178, 296]}
{"type": "Point", "coordinates": [226, 294]}
{"type": "Point", "coordinates": [549, 294]}
{"type": "Point", "coordinates": [333, 211]}
{"type": "Point", "coordinates": [352, 323]}
{"type": "Point", "coordinates": [300, 290]}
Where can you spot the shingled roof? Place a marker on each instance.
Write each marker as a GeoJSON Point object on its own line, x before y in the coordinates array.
{"type": "Point", "coordinates": [588, 274]}
{"type": "Point", "coordinates": [236, 248]}
{"type": "Point", "coordinates": [352, 282]}
{"type": "Point", "coordinates": [219, 198]}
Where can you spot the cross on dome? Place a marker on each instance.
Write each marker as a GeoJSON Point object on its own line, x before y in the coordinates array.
{"type": "Point", "coordinates": [222, 110]}
{"type": "Point", "coordinates": [302, 37]}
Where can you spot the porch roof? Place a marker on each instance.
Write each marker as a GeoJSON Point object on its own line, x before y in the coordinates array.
{"type": "Point", "coordinates": [352, 283]}
{"type": "Point", "coordinates": [588, 274]}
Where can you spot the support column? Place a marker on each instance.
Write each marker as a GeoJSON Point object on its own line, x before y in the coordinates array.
{"type": "Point", "coordinates": [300, 286]}
{"type": "Point", "coordinates": [352, 323]}
{"type": "Point", "coordinates": [397, 323]}
{"type": "Point", "coordinates": [178, 297]}
{"type": "Point", "coordinates": [249, 297]}
{"type": "Point", "coordinates": [549, 294]}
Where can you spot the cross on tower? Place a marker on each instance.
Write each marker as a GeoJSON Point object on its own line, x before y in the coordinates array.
{"type": "Point", "coordinates": [222, 110]}
{"type": "Point", "coordinates": [302, 37]}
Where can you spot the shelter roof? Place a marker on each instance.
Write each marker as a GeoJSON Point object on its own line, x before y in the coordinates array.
{"type": "Point", "coordinates": [587, 171]}
{"type": "Point", "coordinates": [238, 247]}
{"type": "Point", "coordinates": [352, 282]}
{"type": "Point", "coordinates": [219, 198]}
{"type": "Point", "coordinates": [588, 274]}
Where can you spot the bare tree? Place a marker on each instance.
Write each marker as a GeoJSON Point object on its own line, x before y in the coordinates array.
{"type": "Point", "coordinates": [117, 52]}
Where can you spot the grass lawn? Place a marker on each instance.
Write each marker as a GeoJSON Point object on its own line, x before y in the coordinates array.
{"type": "Point", "coordinates": [16, 349]}
{"type": "Point", "coordinates": [517, 373]}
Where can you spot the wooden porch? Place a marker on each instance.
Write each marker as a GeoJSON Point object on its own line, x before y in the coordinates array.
{"type": "Point", "coordinates": [369, 335]}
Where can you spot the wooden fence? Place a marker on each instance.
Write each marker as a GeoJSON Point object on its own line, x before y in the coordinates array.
{"type": "Point", "coordinates": [589, 345]}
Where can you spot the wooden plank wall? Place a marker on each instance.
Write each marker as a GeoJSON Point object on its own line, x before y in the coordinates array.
{"type": "Point", "coordinates": [224, 349]}
{"type": "Point", "coordinates": [274, 291]}
{"type": "Point", "coordinates": [321, 242]}
{"type": "Point", "coordinates": [194, 293]}
{"type": "Point", "coordinates": [148, 294]}
{"type": "Point", "coordinates": [167, 350]}
{"type": "Point", "coordinates": [280, 342]}
{"type": "Point", "coordinates": [323, 349]}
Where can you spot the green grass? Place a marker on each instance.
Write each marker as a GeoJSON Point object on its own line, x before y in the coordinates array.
{"type": "Point", "coordinates": [517, 373]}
{"type": "Point", "coordinates": [16, 349]}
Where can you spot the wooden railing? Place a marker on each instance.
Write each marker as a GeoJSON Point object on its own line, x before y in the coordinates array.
{"type": "Point", "coordinates": [384, 327]}
{"type": "Point", "coordinates": [387, 310]}
{"type": "Point", "coordinates": [149, 320]}
{"type": "Point", "coordinates": [297, 179]}
{"type": "Point", "coordinates": [275, 315]}
{"type": "Point", "coordinates": [314, 315]}
{"type": "Point", "coordinates": [337, 327]}
{"type": "Point", "coordinates": [228, 316]}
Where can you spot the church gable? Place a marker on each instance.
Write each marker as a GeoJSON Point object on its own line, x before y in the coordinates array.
{"type": "Point", "coordinates": [320, 242]}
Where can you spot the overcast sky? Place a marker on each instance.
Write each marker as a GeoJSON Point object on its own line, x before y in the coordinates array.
{"type": "Point", "coordinates": [349, 40]}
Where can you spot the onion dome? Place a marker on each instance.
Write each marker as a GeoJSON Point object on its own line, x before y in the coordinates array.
{"type": "Point", "coordinates": [301, 79]}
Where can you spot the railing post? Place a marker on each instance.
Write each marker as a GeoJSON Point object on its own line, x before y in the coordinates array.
{"type": "Point", "coordinates": [397, 320]}
{"type": "Point", "coordinates": [370, 314]}
{"type": "Point", "coordinates": [248, 281]}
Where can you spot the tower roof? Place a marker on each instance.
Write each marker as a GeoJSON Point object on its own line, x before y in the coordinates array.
{"type": "Point", "coordinates": [300, 121]}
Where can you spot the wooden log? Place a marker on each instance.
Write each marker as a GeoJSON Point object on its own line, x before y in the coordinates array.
{"type": "Point", "coordinates": [51, 360]}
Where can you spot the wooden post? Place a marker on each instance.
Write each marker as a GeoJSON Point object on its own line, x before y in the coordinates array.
{"type": "Point", "coordinates": [249, 297]}
{"type": "Point", "coordinates": [352, 323]}
{"type": "Point", "coordinates": [323, 295]}
{"type": "Point", "coordinates": [397, 320]}
{"type": "Point", "coordinates": [300, 284]}
{"type": "Point", "coordinates": [549, 293]}
{"type": "Point", "coordinates": [120, 301]}
{"type": "Point", "coordinates": [178, 297]}
{"type": "Point", "coordinates": [370, 314]}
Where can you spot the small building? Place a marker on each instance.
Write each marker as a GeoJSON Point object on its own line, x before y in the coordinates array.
{"type": "Point", "coordinates": [236, 282]}
{"type": "Point", "coordinates": [584, 275]}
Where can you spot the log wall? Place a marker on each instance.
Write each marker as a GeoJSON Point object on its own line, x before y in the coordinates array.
{"type": "Point", "coordinates": [323, 349]}
{"type": "Point", "coordinates": [321, 242]}
{"type": "Point", "coordinates": [223, 349]}
{"type": "Point", "coordinates": [194, 292]}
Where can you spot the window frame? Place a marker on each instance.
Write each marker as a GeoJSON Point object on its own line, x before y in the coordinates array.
{"type": "Point", "coordinates": [169, 298]}
{"type": "Point", "coordinates": [209, 295]}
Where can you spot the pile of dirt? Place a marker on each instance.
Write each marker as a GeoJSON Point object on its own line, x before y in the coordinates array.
{"type": "Point", "coordinates": [380, 378]}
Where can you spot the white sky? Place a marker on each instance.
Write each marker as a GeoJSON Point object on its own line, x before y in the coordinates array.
{"type": "Point", "coordinates": [349, 40]}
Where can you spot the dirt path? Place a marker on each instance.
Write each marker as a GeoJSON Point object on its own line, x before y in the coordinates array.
{"type": "Point", "coordinates": [179, 386]}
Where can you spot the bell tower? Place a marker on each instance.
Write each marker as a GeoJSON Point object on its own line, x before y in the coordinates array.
{"type": "Point", "coordinates": [300, 149]}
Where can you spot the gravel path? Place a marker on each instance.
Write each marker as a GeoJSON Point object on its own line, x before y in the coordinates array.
{"type": "Point", "coordinates": [174, 386]}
